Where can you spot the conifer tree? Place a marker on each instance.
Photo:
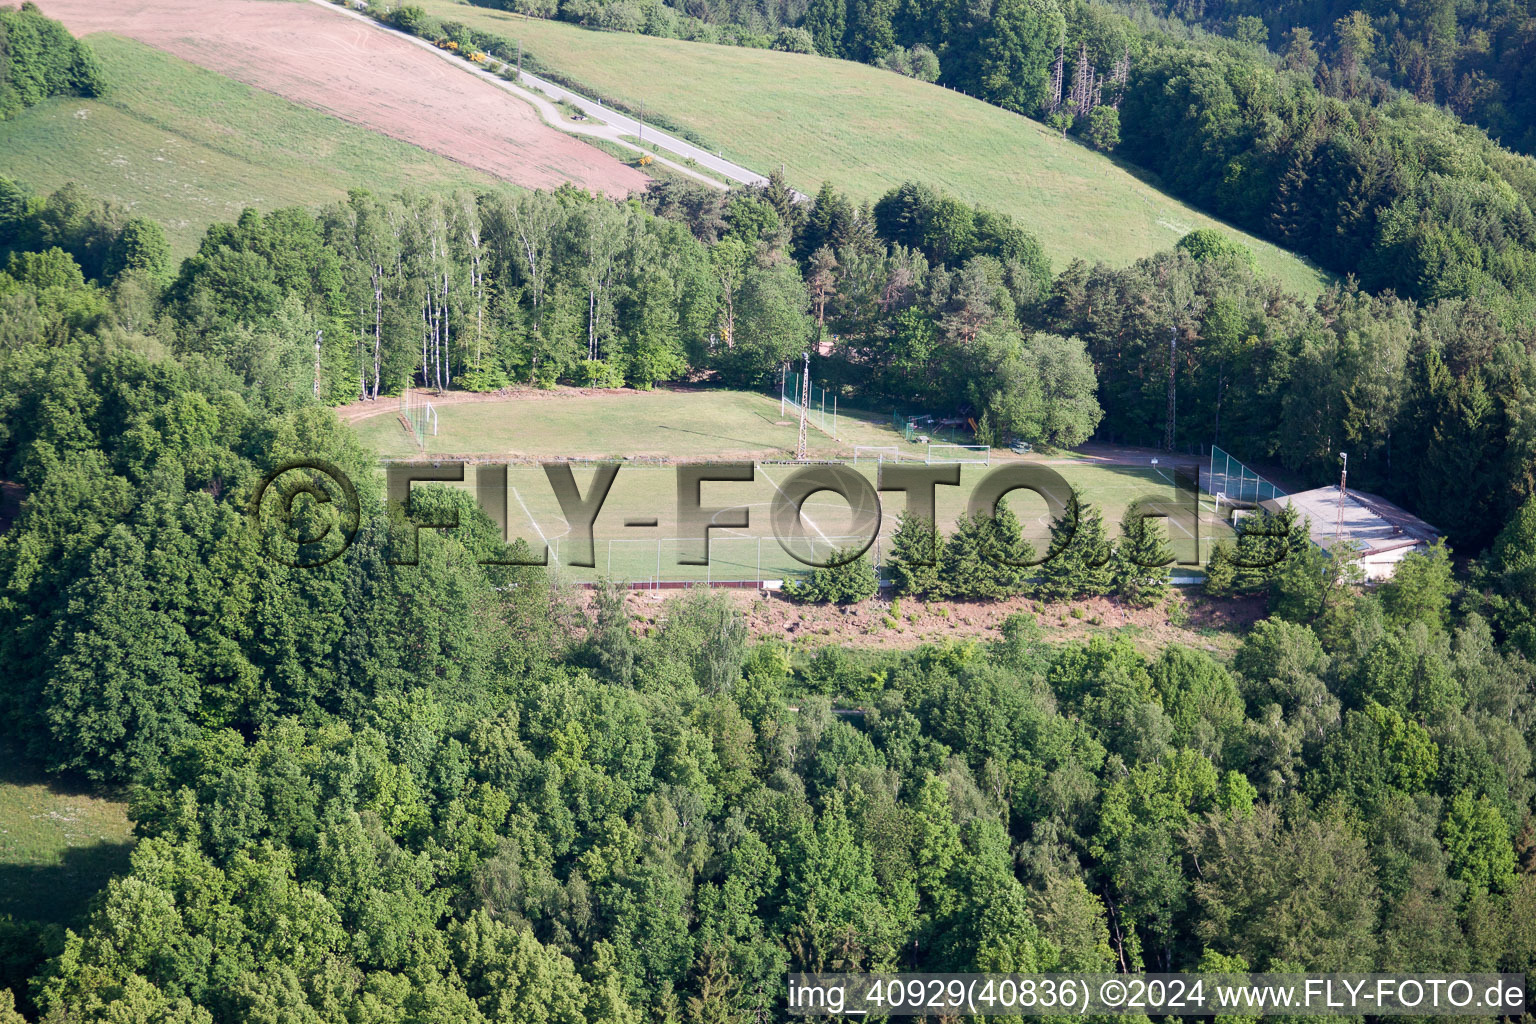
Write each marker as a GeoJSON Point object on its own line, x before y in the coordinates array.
{"type": "Point", "coordinates": [916, 551]}
{"type": "Point", "coordinates": [961, 569]}
{"type": "Point", "coordinates": [848, 581]}
{"type": "Point", "coordinates": [1264, 542]}
{"type": "Point", "coordinates": [986, 557]}
{"type": "Point", "coordinates": [1220, 572]}
{"type": "Point", "coordinates": [1139, 567]}
{"type": "Point", "coordinates": [1077, 562]}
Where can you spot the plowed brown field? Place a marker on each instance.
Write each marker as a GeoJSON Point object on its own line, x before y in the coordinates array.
{"type": "Point", "coordinates": [363, 75]}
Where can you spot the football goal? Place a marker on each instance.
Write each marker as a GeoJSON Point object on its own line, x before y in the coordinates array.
{"type": "Point", "coordinates": [978, 454]}
{"type": "Point", "coordinates": [419, 414]}
{"type": "Point", "coordinates": [875, 453]}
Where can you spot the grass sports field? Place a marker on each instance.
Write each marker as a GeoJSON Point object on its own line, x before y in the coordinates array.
{"type": "Point", "coordinates": [57, 846]}
{"type": "Point", "coordinates": [188, 147]}
{"type": "Point", "coordinates": [866, 130]}
{"type": "Point", "coordinates": [664, 423]}
{"type": "Point", "coordinates": [720, 425]}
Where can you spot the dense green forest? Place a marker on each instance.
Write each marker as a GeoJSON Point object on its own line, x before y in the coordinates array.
{"type": "Point", "coordinates": [39, 58]}
{"type": "Point", "coordinates": [1474, 59]}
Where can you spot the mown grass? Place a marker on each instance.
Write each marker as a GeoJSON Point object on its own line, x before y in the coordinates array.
{"type": "Point", "coordinates": [866, 130]}
{"type": "Point", "coordinates": [716, 425]}
{"type": "Point", "coordinates": [58, 844]}
{"type": "Point", "coordinates": [189, 147]}
{"type": "Point", "coordinates": [663, 423]}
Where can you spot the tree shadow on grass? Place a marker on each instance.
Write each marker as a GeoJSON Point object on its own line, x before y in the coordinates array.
{"type": "Point", "coordinates": [58, 892]}
{"type": "Point", "coordinates": [61, 893]}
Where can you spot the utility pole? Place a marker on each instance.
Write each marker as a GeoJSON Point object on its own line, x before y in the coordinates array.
{"type": "Point", "coordinates": [805, 400]}
{"type": "Point", "coordinates": [1338, 526]}
{"type": "Point", "coordinates": [783, 386]}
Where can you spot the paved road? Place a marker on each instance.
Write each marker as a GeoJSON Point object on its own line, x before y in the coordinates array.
{"type": "Point", "coordinates": [605, 123]}
{"type": "Point", "coordinates": [646, 133]}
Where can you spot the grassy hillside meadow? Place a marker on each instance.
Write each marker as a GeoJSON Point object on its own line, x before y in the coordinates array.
{"type": "Point", "coordinates": [187, 147]}
{"type": "Point", "coordinates": [866, 130]}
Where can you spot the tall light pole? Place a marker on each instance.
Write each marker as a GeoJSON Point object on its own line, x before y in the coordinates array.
{"type": "Point", "coordinates": [1338, 526]}
{"type": "Point", "coordinates": [805, 400]}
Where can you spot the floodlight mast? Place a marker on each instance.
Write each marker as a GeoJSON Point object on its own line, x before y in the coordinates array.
{"type": "Point", "coordinates": [1338, 528]}
{"type": "Point", "coordinates": [805, 400]}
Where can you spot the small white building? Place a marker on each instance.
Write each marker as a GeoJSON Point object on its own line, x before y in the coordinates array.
{"type": "Point", "coordinates": [1381, 532]}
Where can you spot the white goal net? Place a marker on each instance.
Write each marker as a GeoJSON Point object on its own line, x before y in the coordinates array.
{"type": "Point", "coordinates": [875, 453]}
{"type": "Point", "coordinates": [978, 454]}
{"type": "Point", "coordinates": [419, 414]}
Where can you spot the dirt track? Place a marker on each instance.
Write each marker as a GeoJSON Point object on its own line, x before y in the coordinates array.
{"type": "Point", "coordinates": [361, 75]}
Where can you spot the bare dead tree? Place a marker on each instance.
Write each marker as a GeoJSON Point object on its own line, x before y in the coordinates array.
{"type": "Point", "coordinates": [1120, 76]}
{"type": "Point", "coordinates": [1083, 76]}
{"type": "Point", "coordinates": [1058, 68]}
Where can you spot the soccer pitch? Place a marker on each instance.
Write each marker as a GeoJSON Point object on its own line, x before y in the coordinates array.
{"type": "Point", "coordinates": [648, 432]}
{"type": "Point", "coordinates": [648, 554]}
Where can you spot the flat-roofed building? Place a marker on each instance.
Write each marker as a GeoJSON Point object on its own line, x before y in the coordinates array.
{"type": "Point", "coordinates": [1381, 532]}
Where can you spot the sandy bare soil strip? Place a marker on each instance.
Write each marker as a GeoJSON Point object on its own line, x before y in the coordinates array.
{"type": "Point", "coordinates": [362, 75]}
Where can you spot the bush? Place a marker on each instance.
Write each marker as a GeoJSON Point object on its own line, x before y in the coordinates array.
{"type": "Point", "coordinates": [621, 16]}
{"type": "Point", "coordinates": [925, 64]}
{"type": "Point", "coordinates": [409, 18]}
{"type": "Point", "coordinates": [919, 62]}
{"type": "Point", "coordinates": [39, 59]}
{"type": "Point", "coordinates": [487, 379]}
{"type": "Point", "coordinates": [794, 40]}
{"type": "Point", "coordinates": [595, 373]}
{"type": "Point", "coordinates": [1177, 611]}
{"type": "Point", "coordinates": [849, 583]}
{"type": "Point", "coordinates": [1210, 244]}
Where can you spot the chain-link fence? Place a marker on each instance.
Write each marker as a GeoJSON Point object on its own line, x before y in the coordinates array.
{"type": "Point", "coordinates": [1231, 481]}
{"type": "Point", "coordinates": [820, 411]}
